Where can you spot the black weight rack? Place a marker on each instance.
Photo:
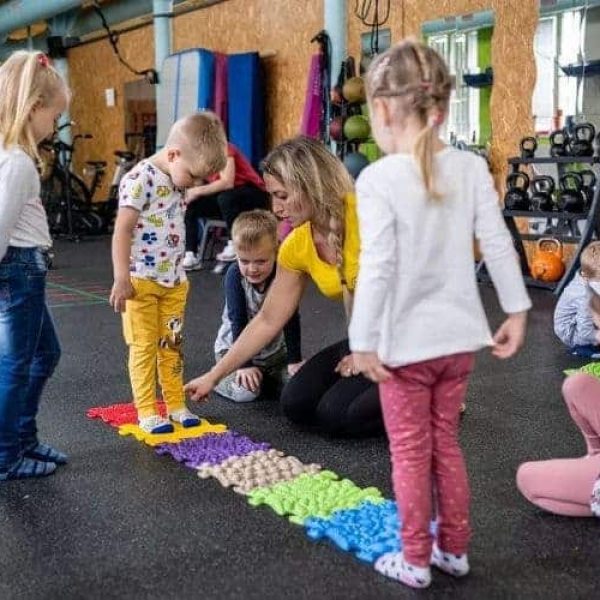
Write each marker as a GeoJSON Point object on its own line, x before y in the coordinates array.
{"type": "Point", "coordinates": [566, 230]}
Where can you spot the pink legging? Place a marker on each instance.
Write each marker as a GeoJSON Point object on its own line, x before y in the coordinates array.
{"type": "Point", "coordinates": [564, 485]}
{"type": "Point", "coordinates": [421, 404]}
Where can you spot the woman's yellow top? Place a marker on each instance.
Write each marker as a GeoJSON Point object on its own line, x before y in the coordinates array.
{"type": "Point", "coordinates": [298, 253]}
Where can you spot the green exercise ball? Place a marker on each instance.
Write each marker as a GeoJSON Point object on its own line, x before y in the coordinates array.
{"type": "Point", "coordinates": [371, 150]}
{"type": "Point", "coordinates": [357, 128]}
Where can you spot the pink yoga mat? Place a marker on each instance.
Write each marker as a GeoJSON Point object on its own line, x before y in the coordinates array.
{"type": "Point", "coordinates": [221, 87]}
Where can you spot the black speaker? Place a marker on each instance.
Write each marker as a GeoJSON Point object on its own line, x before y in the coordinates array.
{"type": "Point", "coordinates": [58, 45]}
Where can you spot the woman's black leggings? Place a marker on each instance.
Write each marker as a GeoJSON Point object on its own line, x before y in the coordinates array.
{"type": "Point", "coordinates": [317, 395]}
{"type": "Point", "coordinates": [225, 205]}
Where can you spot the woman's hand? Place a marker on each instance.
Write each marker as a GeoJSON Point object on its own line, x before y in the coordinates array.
{"type": "Point", "coordinates": [370, 366]}
{"type": "Point", "coordinates": [249, 378]}
{"type": "Point", "coordinates": [198, 389]}
{"type": "Point", "coordinates": [293, 368]}
{"type": "Point", "coordinates": [510, 336]}
{"type": "Point", "coordinates": [346, 367]}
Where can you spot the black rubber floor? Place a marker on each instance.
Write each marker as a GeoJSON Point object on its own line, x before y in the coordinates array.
{"type": "Point", "coordinates": [120, 522]}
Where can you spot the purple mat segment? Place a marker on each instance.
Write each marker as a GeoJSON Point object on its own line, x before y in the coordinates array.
{"type": "Point", "coordinates": [211, 449]}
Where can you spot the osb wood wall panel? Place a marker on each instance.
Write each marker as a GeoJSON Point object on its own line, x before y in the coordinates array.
{"type": "Point", "coordinates": [232, 26]}
{"type": "Point", "coordinates": [92, 69]}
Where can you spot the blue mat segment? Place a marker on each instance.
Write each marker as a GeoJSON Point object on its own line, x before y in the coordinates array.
{"type": "Point", "coordinates": [367, 531]}
{"type": "Point", "coordinates": [245, 98]}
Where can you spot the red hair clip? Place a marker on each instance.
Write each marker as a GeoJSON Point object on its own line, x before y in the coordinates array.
{"type": "Point", "coordinates": [43, 60]}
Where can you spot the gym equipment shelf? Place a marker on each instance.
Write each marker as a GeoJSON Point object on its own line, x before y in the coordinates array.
{"type": "Point", "coordinates": [563, 225]}
{"type": "Point", "coordinates": [553, 160]}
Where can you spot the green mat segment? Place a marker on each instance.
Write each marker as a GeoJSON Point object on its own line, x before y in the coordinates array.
{"type": "Point", "coordinates": [591, 369]}
{"type": "Point", "coordinates": [317, 495]}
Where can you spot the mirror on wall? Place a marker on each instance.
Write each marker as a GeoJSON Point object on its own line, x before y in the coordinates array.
{"type": "Point", "coordinates": [567, 56]}
{"type": "Point", "coordinates": [465, 42]}
{"type": "Point", "coordinates": [140, 117]}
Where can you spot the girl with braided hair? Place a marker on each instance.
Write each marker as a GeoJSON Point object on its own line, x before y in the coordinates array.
{"type": "Point", "coordinates": [310, 187]}
{"type": "Point", "coordinates": [418, 317]}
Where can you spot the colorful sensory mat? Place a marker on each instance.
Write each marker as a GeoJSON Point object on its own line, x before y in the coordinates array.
{"type": "Point", "coordinates": [357, 520]}
{"type": "Point", "coordinates": [592, 368]}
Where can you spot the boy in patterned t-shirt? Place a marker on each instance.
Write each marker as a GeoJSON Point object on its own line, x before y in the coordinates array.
{"type": "Point", "coordinates": [150, 286]}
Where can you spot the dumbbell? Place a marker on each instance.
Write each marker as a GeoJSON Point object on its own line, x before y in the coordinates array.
{"type": "Point", "coordinates": [516, 197]}
{"type": "Point", "coordinates": [528, 147]}
{"type": "Point", "coordinates": [572, 198]}
{"type": "Point", "coordinates": [582, 141]}
{"type": "Point", "coordinates": [559, 143]}
{"type": "Point", "coordinates": [589, 185]}
{"type": "Point", "coordinates": [543, 190]}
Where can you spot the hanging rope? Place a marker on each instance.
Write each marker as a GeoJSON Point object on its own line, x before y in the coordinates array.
{"type": "Point", "coordinates": [373, 14]}
{"type": "Point", "coordinates": [113, 38]}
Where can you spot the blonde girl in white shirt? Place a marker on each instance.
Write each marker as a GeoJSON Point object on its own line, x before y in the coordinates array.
{"type": "Point", "coordinates": [33, 96]}
{"type": "Point", "coordinates": [418, 318]}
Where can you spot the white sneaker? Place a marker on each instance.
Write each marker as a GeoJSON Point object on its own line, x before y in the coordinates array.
{"type": "Point", "coordinates": [185, 417]}
{"type": "Point", "coordinates": [155, 425]}
{"type": "Point", "coordinates": [190, 262]}
{"type": "Point", "coordinates": [228, 254]}
{"type": "Point", "coordinates": [453, 564]}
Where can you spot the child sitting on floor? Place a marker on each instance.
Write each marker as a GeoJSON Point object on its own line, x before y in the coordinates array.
{"type": "Point", "coordinates": [577, 313]}
{"type": "Point", "coordinates": [254, 236]}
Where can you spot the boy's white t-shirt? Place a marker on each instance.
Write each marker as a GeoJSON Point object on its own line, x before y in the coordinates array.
{"type": "Point", "coordinates": [417, 297]}
{"type": "Point", "coordinates": [23, 221]}
{"type": "Point", "coordinates": [158, 244]}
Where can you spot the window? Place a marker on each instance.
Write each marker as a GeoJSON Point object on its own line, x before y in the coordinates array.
{"type": "Point", "coordinates": [557, 42]}
{"type": "Point", "coordinates": [460, 51]}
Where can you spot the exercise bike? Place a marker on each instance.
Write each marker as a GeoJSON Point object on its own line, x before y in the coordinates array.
{"type": "Point", "coordinates": [96, 169]}
{"type": "Point", "coordinates": [65, 196]}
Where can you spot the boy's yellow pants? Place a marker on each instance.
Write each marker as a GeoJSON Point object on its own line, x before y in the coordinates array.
{"type": "Point", "coordinates": [152, 325]}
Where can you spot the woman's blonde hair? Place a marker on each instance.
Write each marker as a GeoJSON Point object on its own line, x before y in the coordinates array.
{"type": "Point", "coordinates": [251, 227]}
{"type": "Point", "coordinates": [308, 170]}
{"type": "Point", "coordinates": [417, 79]}
{"type": "Point", "coordinates": [27, 81]}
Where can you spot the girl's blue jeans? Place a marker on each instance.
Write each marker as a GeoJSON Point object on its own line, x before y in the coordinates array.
{"type": "Point", "coordinates": [29, 350]}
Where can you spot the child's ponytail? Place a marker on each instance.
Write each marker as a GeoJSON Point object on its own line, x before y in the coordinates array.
{"type": "Point", "coordinates": [424, 150]}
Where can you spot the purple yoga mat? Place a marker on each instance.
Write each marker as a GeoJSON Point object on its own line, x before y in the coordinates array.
{"type": "Point", "coordinates": [221, 87]}
{"type": "Point", "coordinates": [311, 118]}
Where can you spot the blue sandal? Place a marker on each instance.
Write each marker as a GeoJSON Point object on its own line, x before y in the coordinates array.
{"type": "Point", "coordinates": [45, 453]}
{"type": "Point", "coordinates": [27, 468]}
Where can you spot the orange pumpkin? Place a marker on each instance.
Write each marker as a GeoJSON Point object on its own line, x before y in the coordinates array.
{"type": "Point", "coordinates": [547, 264]}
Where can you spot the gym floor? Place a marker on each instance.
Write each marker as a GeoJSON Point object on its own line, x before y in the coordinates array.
{"type": "Point", "coordinates": [122, 522]}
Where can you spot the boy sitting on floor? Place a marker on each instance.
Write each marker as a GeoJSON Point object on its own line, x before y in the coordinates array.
{"type": "Point", "coordinates": [254, 236]}
{"type": "Point", "coordinates": [577, 313]}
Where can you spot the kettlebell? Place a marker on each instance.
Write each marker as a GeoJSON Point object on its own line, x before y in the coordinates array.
{"type": "Point", "coordinates": [589, 185]}
{"type": "Point", "coordinates": [547, 263]}
{"type": "Point", "coordinates": [582, 140]}
{"type": "Point", "coordinates": [528, 147]}
{"type": "Point", "coordinates": [597, 144]}
{"type": "Point", "coordinates": [516, 197]}
{"type": "Point", "coordinates": [559, 141]}
{"type": "Point", "coordinates": [572, 198]}
{"type": "Point", "coordinates": [543, 189]}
